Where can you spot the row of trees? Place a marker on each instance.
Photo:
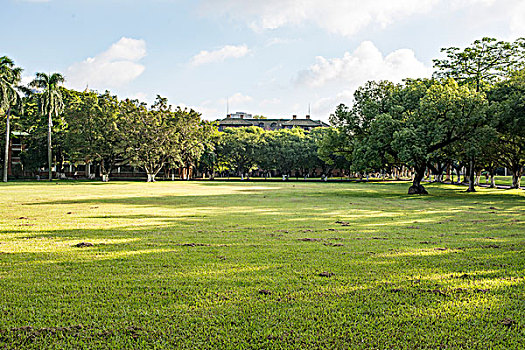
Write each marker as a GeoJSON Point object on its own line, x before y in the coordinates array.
{"type": "Point", "coordinates": [241, 151]}
{"type": "Point", "coordinates": [470, 114]}
{"type": "Point", "coordinates": [66, 125]}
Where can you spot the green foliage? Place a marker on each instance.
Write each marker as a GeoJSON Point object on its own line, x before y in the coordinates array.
{"type": "Point", "coordinates": [483, 63]}
{"type": "Point", "coordinates": [508, 108]}
{"type": "Point", "coordinates": [237, 148]}
{"type": "Point", "coordinates": [161, 135]}
{"type": "Point", "coordinates": [10, 77]}
{"type": "Point", "coordinates": [93, 129]}
{"type": "Point", "coordinates": [50, 95]}
{"type": "Point", "coordinates": [285, 151]}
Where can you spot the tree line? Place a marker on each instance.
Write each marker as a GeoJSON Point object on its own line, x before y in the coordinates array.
{"type": "Point", "coordinates": [65, 125]}
{"type": "Point", "coordinates": [470, 114]}
{"type": "Point", "coordinates": [252, 151]}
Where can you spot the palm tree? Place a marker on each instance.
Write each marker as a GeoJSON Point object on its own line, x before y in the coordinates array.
{"type": "Point", "coordinates": [50, 104]}
{"type": "Point", "coordinates": [10, 76]}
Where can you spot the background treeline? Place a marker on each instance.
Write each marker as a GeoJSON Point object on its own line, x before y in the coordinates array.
{"type": "Point", "coordinates": [105, 132]}
{"type": "Point", "coordinates": [469, 115]}
{"type": "Point", "coordinates": [252, 151]}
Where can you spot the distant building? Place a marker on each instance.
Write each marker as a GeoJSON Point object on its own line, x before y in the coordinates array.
{"type": "Point", "coordinates": [240, 120]}
{"type": "Point", "coordinates": [241, 115]}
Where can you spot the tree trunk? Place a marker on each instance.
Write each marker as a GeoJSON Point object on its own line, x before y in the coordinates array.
{"type": "Point", "coordinates": [7, 135]}
{"type": "Point", "coordinates": [493, 178]}
{"type": "Point", "coordinates": [49, 151]}
{"type": "Point", "coordinates": [478, 178]}
{"type": "Point", "coordinates": [151, 177]}
{"type": "Point", "coordinates": [416, 187]}
{"type": "Point", "coordinates": [447, 178]}
{"type": "Point", "coordinates": [471, 176]}
{"type": "Point", "coordinates": [516, 177]}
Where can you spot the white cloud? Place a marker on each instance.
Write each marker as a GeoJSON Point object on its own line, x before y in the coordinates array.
{"type": "Point", "coordinates": [341, 17]}
{"type": "Point", "coordinates": [365, 63]}
{"type": "Point", "coordinates": [236, 99]}
{"type": "Point", "coordinates": [228, 51]}
{"type": "Point", "coordinates": [339, 77]}
{"type": "Point", "coordinates": [114, 67]}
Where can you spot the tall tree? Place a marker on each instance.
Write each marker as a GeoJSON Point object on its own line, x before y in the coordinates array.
{"type": "Point", "coordinates": [481, 65]}
{"type": "Point", "coordinates": [445, 114]}
{"type": "Point", "coordinates": [370, 102]}
{"type": "Point", "coordinates": [237, 148]}
{"type": "Point", "coordinates": [93, 121]}
{"type": "Point", "coordinates": [508, 106]}
{"type": "Point", "coordinates": [51, 104]}
{"type": "Point", "coordinates": [194, 136]}
{"type": "Point", "coordinates": [160, 135]}
{"type": "Point", "coordinates": [10, 77]}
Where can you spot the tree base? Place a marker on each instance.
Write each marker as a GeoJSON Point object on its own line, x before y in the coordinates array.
{"type": "Point", "coordinates": [417, 189]}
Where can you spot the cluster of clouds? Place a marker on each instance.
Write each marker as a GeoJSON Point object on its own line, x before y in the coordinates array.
{"type": "Point", "coordinates": [335, 16]}
{"type": "Point", "coordinates": [113, 68]}
{"type": "Point", "coordinates": [347, 73]}
{"type": "Point", "coordinates": [365, 63]}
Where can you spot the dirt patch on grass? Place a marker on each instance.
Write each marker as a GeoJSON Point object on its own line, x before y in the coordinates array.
{"type": "Point", "coordinates": [330, 244]}
{"type": "Point", "coordinates": [193, 245]}
{"type": "Point", "coordinates": [507, 322]}
{"type": "Point", "coordinates": [83, 245]}
{"type": "Point", "coordinates": [326, 274]}
{"type": "Point", "coordinates": [343, 223]}
{"type": "Point", "coordinates": [494, 246]}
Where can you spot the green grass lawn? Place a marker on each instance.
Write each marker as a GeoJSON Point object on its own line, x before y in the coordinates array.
{"type": "Point", "coordinates": [504, 180]}
{"type": "Point", "coordinates": [201, 265]}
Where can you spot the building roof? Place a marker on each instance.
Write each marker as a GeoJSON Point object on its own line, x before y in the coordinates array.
{"type": "Point", "coordinates": [303, 122]}
{"type": "Point", "coordinates": [235, 122]}
{"type": "Point", "coordinates": [273, 123]}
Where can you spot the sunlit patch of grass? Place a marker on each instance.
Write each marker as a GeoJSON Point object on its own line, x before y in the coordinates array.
{"type": "Point", "coordinates": [253, 265]}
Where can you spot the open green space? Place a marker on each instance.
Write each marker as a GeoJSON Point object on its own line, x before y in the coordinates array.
{"type": "Point", "coordinates": [196, 265]}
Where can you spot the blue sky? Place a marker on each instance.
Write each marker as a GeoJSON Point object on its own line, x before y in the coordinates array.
{"type": "Point", "coordinates": [269, 57]}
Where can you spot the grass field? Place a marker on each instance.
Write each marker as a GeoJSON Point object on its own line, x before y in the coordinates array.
{"type": "Point", "coordinates": [267, 265]}
{"type": "Point", "coordinates": [504, 180]}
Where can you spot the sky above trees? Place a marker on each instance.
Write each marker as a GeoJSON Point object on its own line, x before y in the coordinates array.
{"type": "Point", "coordinates": [271, 57]}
